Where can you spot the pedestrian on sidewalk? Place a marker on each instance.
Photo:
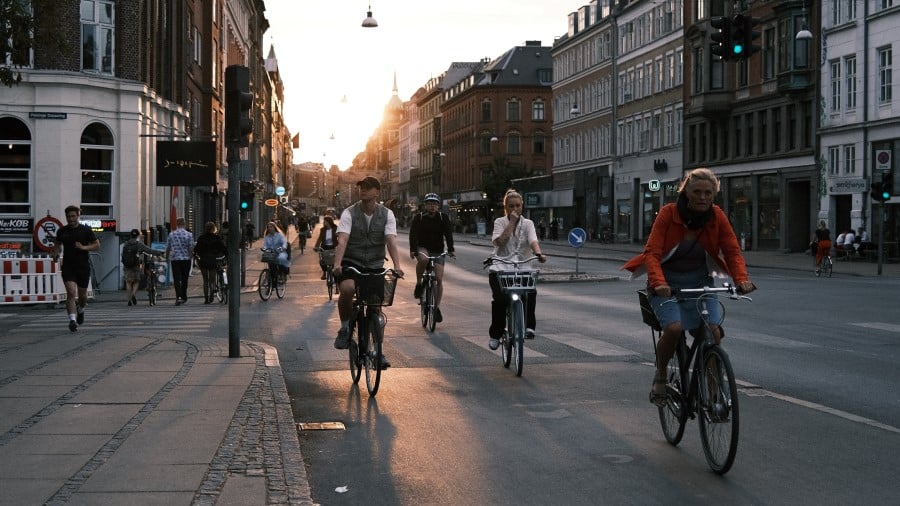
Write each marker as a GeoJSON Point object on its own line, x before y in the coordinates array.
{"type": "Point", "coordinates": [75, 241]}
{"type": "Point", "coordinates": [180, 250]}
{"type": "Point", "coordinates": [131, 263]}
{"type": "Point", "coordinates": [689, 239]}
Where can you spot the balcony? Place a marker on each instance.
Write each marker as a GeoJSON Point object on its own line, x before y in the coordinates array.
{"type": "Point", "coordinates": [711, 103]}
{"type": "Point", "coordinates": [795, 81]}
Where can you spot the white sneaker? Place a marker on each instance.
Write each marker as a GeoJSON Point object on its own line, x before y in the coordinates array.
{"type": "Point", "coordinates": [529, 333]}
{"type": "Point", "coordinates": [494, 343]}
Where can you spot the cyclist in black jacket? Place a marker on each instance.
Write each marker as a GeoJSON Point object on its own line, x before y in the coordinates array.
{"type": "Point", "coordinates": [428, 233]}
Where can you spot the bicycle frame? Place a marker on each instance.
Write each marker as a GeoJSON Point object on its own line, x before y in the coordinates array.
{"type": "Point", "coordinates": [369, 322]}
{"type": "Point", "coordinates": [427, 299]}
{"type": "Point", "coordinates": [517, 285]}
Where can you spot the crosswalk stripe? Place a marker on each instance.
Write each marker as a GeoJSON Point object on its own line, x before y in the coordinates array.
{"type": "Point", "coordinates": [589, 345]}
{"type": "Point", "coordinates": [890, 327]}
{"type": "Point", "coordinates": [482, 342]}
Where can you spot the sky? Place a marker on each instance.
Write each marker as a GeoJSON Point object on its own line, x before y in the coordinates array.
{"type": "Point", "coordinates": [338, 76]}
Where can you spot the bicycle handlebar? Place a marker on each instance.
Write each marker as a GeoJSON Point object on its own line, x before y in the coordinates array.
{"type": "Point", "coordinates": [515, 263]}
{"type": "Point", "coordinates": [732, 291]}
{"type": "Point", "coordinates": [381, 273]}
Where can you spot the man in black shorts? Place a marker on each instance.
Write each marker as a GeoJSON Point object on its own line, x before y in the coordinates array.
{"type": "Point", "coordinates": [76, 241]}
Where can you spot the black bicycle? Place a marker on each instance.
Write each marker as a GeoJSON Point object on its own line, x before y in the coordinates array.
{"type": "Point", "coordinates": [517, 285]}
{"type": "Point", "coordinates": [326, 258]}
{"type": "Point", "coordinates": [273, 277]}
{"type": "Point", "coordinates": [426, 298]}
{"type": "Point", "coordinates": [154, 274]}
{"type": "Point", "coordinates": [700, 380]}
{"type": "Point", "coordinates": [373, 290]}
{"type": "Point", "coordinates": [220, 283]}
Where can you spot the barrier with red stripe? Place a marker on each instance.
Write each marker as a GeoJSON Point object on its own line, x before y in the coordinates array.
{"type": "Point", "coordinates": [31, 281]}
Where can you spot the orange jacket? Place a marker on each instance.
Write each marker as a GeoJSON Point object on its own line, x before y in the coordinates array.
{"type": "Point", "coordinates": [717, 238]}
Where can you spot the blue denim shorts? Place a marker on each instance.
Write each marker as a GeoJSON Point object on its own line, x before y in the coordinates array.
{"type": "Point", "coordinates": [686, 311]}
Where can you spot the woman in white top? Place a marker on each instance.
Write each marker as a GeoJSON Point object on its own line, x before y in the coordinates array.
{"type": "Point", "coordinates": [327, 240]}
{"type": "Point", "coordinates": [512, 234]}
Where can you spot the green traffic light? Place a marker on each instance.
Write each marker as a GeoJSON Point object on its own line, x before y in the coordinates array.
{"type": "Point", "coordinates": [244, 205]}
{"type": "Point", "coordinates": [885, 195]}
{"type": "Point", "coordinates": [738, 49]}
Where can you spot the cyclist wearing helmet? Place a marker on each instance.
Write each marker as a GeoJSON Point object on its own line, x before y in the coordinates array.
{"type": "Point", "coordinates": [428, 233]}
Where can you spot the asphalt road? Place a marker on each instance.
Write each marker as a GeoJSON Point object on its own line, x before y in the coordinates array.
{"type": "Point", "coordinates": [816, 362]}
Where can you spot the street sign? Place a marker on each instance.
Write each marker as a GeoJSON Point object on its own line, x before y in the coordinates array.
{"type": "Point", "coordinates": [279, 191]}
{"type": "Point", "coordinates": [532, 199]}
{"type": "Point", "coordinates": [577, 236]}
{"type": "Point", "coordinates": [45, 232]}
{"type": "Point", "coordinates": [271, 202]}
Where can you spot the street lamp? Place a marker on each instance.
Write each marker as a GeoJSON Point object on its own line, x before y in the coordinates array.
{"type": "Point", "coordinates": [804, 33]}
{"type": "Point", "coordinates": [369, 22]}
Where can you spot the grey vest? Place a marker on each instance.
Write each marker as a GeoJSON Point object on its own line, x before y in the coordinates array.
{"type": "Point", "coordinates": [366, 245]}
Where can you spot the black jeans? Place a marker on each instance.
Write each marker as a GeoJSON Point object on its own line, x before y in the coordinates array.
{"type": "Point", "coordinates": [181, 271]}
{"type": "Point", "coordinates": [498, 308]}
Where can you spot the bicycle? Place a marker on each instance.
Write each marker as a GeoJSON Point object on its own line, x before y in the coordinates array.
{"type": "Point", "coordinates": [326, 257]}
{"type": "Point", "coordinates": [219, 283]}
{"type": "Point", "coordinates": [700, 380]}
{"type": "Point", "coordinates": [154, 273]}
{"type": "Point", "coordinates": [426, 298]}
{"type": "Point", "coordinates": [373, 290]}
{"type": "Point", "coordinates": [272, 277]}
{"type": "Point", "coordinates": [827, 266]}
{"type": "Point", "coordinates": [517, 285]}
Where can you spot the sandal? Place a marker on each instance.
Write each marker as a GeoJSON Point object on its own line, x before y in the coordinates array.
{"type": "Point", "coordinates": [658, 394]}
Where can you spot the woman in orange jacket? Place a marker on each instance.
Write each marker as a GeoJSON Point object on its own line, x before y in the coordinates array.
{"type": "Point", "coordinates": [690, 243]}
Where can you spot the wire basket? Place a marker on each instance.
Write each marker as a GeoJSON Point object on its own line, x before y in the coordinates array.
{"type": "Point", "coordinates": [376, 290]}
{"type": "Point", "coordinates": [518, 279]}
{"type": "Point", "coordinates": [268, 257]}
{"type": "Point", "coordinates": [327, 256]}
{"type": "Point", "coordinates": [647, 313]}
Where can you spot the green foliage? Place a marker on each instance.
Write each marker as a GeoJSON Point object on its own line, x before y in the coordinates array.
{"type": "Point", "coordinates": [20, 31]}
{"type": "Point", "coordinates": [500, 176]}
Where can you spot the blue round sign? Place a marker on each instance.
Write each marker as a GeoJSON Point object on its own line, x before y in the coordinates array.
{"type": "Point", "coordinates": [577, 237]}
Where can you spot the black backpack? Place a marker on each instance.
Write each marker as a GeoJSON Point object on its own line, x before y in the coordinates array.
{"type": "Point", "coordinates": [130, 254]}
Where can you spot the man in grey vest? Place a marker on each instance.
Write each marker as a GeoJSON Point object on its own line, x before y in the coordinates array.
{"type": "Point", "coordinates": [364, 231]}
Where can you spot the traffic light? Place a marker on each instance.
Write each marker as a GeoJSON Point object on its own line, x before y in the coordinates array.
{"type": "Point", "coordinates": [721, 37]}
{"type": "Point", "coordinates": [238, 103]}
{"type": "Point", "coordinates": [246, 196]}
{"type": "Point", "coordinates": [876, 191]}
{"type": "Point", "coordinates": [887, 185]}
{"type": "Point", "coordinates": [738, 36]}
{"type": "Point", "coordinates": [748, 36]}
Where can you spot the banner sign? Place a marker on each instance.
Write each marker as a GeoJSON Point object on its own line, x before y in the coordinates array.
{"type": "Point", "coordinates": [16, 225]}
{"type": "Point", "coordinates": [185, 163]}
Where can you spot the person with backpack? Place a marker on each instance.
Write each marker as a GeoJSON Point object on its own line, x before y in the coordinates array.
{"type": "Point", "coordinates": [131, 261]}
{"type": "Point", "coordinates": [428, 233]}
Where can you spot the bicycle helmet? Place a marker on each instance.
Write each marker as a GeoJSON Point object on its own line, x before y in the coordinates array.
{"type": "Point", "coordinates": [432, 197]}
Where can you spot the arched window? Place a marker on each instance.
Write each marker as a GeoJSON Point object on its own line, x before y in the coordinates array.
{"type": "Point", "coordinates": [97, 150]}
{"type": "Point", "coordinates": [15, 167]}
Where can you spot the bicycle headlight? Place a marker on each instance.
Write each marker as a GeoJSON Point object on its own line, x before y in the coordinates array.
{"type": "Point", "coordinates": [515, 296]}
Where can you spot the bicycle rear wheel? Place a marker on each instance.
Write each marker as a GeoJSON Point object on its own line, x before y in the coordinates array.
{"type": "Point", "coordinates": [517, 335]}
{"type": "Point", "coordinates": [372, 357]}
{"type": "Point", "coordinates": [280, 283]}
{"type": "Point", "coordinates": [265, 285]}
{"type": "Point", "coordinates": [719, 415]}
{"type": "Point", "coordinates": [429, 303]}
{"type": "Point", "coordinates": [329, 282]}
{"type": "Point", "coordinates": [673, 415]}
{"type": "Point", "coordinates": [355, 362]}
{"type": "Point", "coordinates": [827, 266]}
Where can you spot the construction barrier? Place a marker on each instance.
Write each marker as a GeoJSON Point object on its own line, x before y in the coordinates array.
{"type": "Point", "coordinates": [31, 281]}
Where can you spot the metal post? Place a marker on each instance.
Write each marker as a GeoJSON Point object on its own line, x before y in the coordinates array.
{"type": "Point", "coordinates": [234, 245]}
{"type": "Point", "coordinates": [881, 238]}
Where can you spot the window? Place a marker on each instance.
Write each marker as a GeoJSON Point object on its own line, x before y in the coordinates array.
{"type": "Point", "coordinates": [97, 151]}
{"type": "Point", "coordinates": [15, 167]}
{"type": "Point", "coordinates": [698, 70]}
{"type": "Point", "coordinates": [97, 36]}
{"type": "Point", "coordinates": [513, 112]}
{"type": "Point", "coordinates": [538, 144]}
{"type": "Point", "coordinates": [769, 54]}
{"type": "Point", "coordinates": [679, 67]}
{"type": "Point", "coordinates": [835, 86]}
{"type": "Point", "coordinates": [537, 110]}
{"type": "Point", "coordinates": [485, 146]}
{"type": "Point", "coordinates": [885, 57]}
{"type": "Point", "coordinates": [849, 159]}
{"type": "Point", "coordinates": [486, 110]}
{"type": "Point", "coordinates": [850, 79]}
{"type": "Point", "coordinates": [834, 160]}
{"type": "Point", "coordinates": [198, 47]}
{"type": "Point", "coordinates": [851, 9]}
{"type": "Point", "coordinates": [514, 144]}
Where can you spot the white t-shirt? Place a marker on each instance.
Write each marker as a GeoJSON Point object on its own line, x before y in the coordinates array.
{"type": "Point", "coordinates": [519, 241]}
{"type": "Point", "coordinates": [346, 223]}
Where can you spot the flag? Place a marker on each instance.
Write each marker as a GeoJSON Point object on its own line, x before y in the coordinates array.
{"type": "Point", "coordinates": [173, 210]}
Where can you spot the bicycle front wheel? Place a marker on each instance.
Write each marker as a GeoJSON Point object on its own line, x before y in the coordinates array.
{"type": "Point", "coordinates": [280, 283]}
{"type": "Point", "coordinates": [423, 306]}
{"type": "Point", "coordinates": [673, 414]}
{"type": "Point", "coordinates": [827, 266]}
{"type": "Point", "coordinates": [429, 303]}
{"type": "Point", "coordinates": [517, 335]}
{"type": "Point", "coordinates": [329, 281]}
{"type": "Point", "coordinates": [355, 361]}
{"type": "Point", "coordinates": [221, 293]}
{"type": "Point", "coordinates": [372, 358]}
{"type": "Point", "coordinates": [265, 285]}
{"type": "Point", "coordinates": [719, 415]}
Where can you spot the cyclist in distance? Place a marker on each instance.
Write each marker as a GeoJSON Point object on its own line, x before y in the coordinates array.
{"type": "Point", "coordinates": [208, 248]}
{"type": "Point", "coordinates": [365, 229]}
{"type": "Point", "coordinates": [276, 241]}
{"type": "Point", "coordinates": [512, 234]}
{"type": "Point", "coordinates": [327, 239]}
{"type": "Point", "coordinates": [690, 242]}
{"type": "Point", "coordinates": [823, 243]}
{"type": "Point", "coordinates": [429, 231]}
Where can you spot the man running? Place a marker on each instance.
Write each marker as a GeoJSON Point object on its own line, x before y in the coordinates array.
{"type": "Point", "coordinates": [76, 242]}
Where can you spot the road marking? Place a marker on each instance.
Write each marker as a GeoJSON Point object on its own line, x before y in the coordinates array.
{"type": "Point", "coordinates": [482, 342]}
{"type": "Point", "coordinates": [770, 340]}
{"type": "Point", "coordinates": [890, 327]}
{"type": "Point", "coordinates": [589, 345]}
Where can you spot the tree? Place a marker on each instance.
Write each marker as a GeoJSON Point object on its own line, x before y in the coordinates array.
{"type": "Point", "coordinates": [20, 31]}
{"type": "Point", "coordinates": [499, 178]}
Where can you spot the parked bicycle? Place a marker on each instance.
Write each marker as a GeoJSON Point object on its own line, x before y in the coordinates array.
{"type": "Point", "coordinates": [273, 277]}
{"type": "Point", "coordinates": [700, 380]}
{"type": "Point", "coordinates": [517, 285]}
{"type": "Point", "coordinates": [373, 290]}
{"type": "Point", "coordinates": [426, 299]}
{"type": "Point", "coordinates": [326, 258]}
{"type": "Point", "coordinates": [218, 284]}
{"type": "Point", "coordinates": [154, 274]}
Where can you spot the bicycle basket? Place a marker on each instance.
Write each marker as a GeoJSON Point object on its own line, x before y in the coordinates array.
{"type": "Point", "coordinates": [268, 257]}
{"type": "Point", "coordinates": [327, 256]}
{"type": "Point", "coordinates": [376, 290]}
{"type": "Point", "coordinates": [647, 310]}
{"type": "Point", "coordinates": [518, 279]}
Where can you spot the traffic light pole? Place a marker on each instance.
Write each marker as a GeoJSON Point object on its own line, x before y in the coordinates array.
{"type": "Point", "coordinates": [234, 245]}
